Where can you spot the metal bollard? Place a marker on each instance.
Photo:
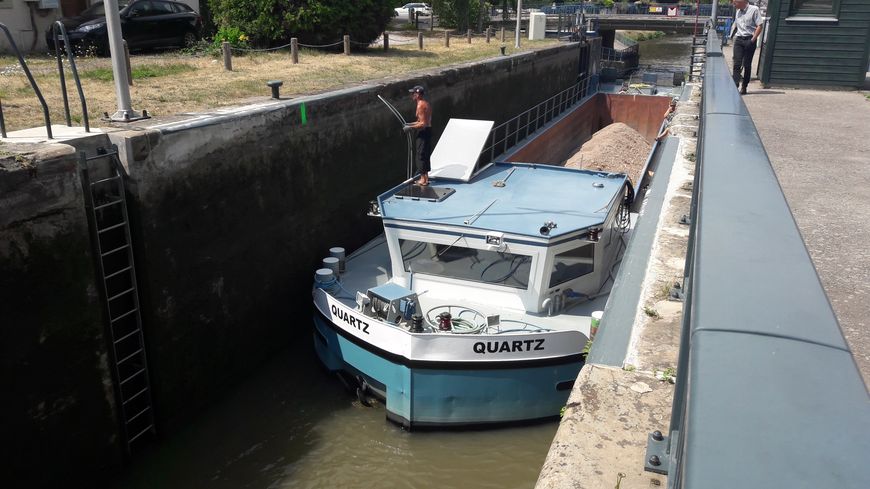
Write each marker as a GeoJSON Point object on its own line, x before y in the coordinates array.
{"type": "Point", "coordinates": [294, 50]}
{"type": "Point", "coordinates": [420, 40]}
{"type": "Point", "coordinates": [468, 35]}
{"type": "Point", "coordinates": [127, 61]}
{"type": "Point", "coordinates": [488, 34]}
{"type": "Point", "coordinates": [446, 39]}
{"type": "Point", "coordinates": [228, 56]}
{"type": "Point", "coordinates": [386, 41]}
{"type": "Point", "coordinates": [347, 45]}
{"type": "Point", "coordinates": [275, 85]}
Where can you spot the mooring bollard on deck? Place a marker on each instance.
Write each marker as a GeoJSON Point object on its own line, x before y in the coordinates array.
{"type": "Point", "coordinates": [468, 36]}
{"type": "Point", "coordinates": [294, 50]}
{"type": "Point", "coordinates": [420, 40]}
{"type": "Point", "coordinates": [228, 56]}
{"type": "Point", "coordinates": [386, 41]}
{"type": "Point", "coordinates": [347, 45]}
{"type": "Point", "coordinates": [446, 39]}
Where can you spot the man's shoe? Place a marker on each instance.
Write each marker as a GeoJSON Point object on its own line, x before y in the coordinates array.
{"type": "Point", "coordinates": [743, 91]}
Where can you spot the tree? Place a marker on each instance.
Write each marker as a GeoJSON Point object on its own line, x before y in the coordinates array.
{"type": "Point", "coordinates": [460, 14]}
{"type": "Point", "coordinates": [273, 22]}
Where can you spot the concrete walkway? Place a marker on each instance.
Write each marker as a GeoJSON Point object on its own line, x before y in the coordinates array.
{"type": "Point", "coordinates": [819, 144]}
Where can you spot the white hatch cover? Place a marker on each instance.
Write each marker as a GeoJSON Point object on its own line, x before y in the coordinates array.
{"type": "Point", "coordinates": [459, 148]}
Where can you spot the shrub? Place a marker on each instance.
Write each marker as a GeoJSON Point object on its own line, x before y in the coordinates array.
{"type": "Point", "coordinates": [460, 14]}
{"type": "Point", "coordinates": [232, 35]}
{"type": "Point", "coordinates": [274, 22]}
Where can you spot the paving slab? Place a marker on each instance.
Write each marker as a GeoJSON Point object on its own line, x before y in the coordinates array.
{"type": "Point", "coordinates": [817, 141]}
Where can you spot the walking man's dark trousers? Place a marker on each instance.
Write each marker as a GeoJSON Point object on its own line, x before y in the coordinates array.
{"type": "Point", "coordinates": [744, 50]}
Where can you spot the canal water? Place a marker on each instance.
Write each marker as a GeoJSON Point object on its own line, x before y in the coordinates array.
{"type": "Point", "coordinates": [295, 426]}
{"type": "Point", "coordinates": [292, 425]}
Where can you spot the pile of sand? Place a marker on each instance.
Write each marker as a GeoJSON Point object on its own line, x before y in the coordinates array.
{"type": "Point", "coordinates": [615, 149]}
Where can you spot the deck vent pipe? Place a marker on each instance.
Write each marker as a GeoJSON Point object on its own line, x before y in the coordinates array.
{"type": "Point", "coordinates": [338, 252]}
{"type": "Point", "coordinates": [331, 263]}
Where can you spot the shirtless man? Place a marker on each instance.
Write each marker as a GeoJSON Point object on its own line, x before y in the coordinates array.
{"type": "Point", "coordinates": [423, 125]}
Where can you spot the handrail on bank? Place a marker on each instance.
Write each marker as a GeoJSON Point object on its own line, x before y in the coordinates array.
{"type": "Point", "coordinates": [768, 394]}
{"type": "Point", "coordinates": [29, 78]}
{"type": "Point", "coordinates": [58, 26]}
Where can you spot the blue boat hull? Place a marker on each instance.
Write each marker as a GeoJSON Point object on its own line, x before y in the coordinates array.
{"type": "Point", "coordinates": [451, 395]}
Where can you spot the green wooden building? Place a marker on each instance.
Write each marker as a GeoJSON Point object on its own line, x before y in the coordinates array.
{"type": "Point", "coordinates": [818, 43]}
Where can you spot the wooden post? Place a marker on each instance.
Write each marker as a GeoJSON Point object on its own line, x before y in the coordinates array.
{"type": "Point", "coordinates": [502, 34]}
{"type": "Point", "coordinates": [386, 41]}
{"type": "Point", "coordinates": [559, 25]}
{"type": "Point", "coordinates": [347, 45]}
{"type": "Point", "coordinates": [446, 39]}
{"type": "Point", "coordinates": [468, 35]}
{"type": "Point", "coordinates": [127, 61]}
{"type": "Point", "coordinates": [294, 50]}
{"type": "Point", "coordinates": [228, 56]}
{"type": "Point", "coordinates": [417, 20]}
{"type": "Point", "coordinates": [420, 40]}
{"type": "Point", "coordinates": [488, 34]}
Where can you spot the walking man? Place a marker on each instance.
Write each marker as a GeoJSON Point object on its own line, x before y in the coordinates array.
{"type": "Point", "coordinates": [745, 31]}
{"type": "Point", "coordinates": [423, 126]}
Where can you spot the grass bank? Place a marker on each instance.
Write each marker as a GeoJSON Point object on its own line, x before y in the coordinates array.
{"type": "Point", "coordinates": [172, 83]}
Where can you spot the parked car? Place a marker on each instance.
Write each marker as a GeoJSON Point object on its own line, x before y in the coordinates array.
{"type": "Point", "coordinates": [144, 24]}
{"type": "Point", "coordinates": [402, 12]}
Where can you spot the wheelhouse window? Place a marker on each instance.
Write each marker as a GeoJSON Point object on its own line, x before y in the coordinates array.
{"type": "Point", "coordinates": [459, 262]}
{"type": "Point", "coordinates": [815, 8]}
{"type": "Point", "coordinates": [572, 264]}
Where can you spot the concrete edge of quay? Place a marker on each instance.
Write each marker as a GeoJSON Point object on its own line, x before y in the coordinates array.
{"type": "Point", "coordinates": [602, 438]}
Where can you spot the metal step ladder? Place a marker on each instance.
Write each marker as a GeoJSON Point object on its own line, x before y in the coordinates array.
{"type": "Point", "coordinates": [105, 201]}
{"type": "Point", "coordinates": [697, 58]}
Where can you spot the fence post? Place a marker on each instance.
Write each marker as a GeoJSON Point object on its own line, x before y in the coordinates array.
{"type": "Point", "coordinates": [446, 39]}
{"type": "Point", "coordinates": [420, 40]}
{"type": "Point", "coordinates": [127, 62]}
{"type": "Point", "coordinates": [386, 41]}
{"type": "Point", "coordinates": [502, 34]}
{"type": "Point", "coordinates": [468, 35]}
{"type": "Point", "coordinates": [417, 20]}
{"type": "Point", "coordinates": [228, 56]}
{"type": "Point", "coordinates": [347, 45]}
{"type": "Point", "coordinates": [488, 33]}
{"type": "Point", "coordinates": [294, 50]}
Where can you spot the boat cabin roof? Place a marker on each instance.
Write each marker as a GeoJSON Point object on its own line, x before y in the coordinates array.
{"type": "Point", "coordinates": [514, 198]}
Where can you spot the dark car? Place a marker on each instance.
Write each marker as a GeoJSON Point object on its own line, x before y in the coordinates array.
{"type": "Point", "coordinates": [144, 24]}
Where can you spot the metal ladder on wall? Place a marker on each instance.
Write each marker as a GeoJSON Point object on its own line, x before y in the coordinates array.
{"type": "Point", "coordinates": [697, 58]}
{"type": "Point", "coordinates": [106, 206]}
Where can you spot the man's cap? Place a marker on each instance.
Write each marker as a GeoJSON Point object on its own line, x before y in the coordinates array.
{"type": "Point", "coordinates": [417, 89]}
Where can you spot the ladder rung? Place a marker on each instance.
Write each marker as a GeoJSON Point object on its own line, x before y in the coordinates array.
{"type": "Point", "coordinates": [113, 226]}
{"type": "Point", "coordinates": [101, 155]}
{"type": "Point", "coordinates": [127, 335]}
{"type": "Point", "coordinates": [116, 249]}
{"type": "Point", "coordinates": [129, 356]}
{"type": "Point", "coordinates": [132, 376]}
{"type": "Point", "coordinates": [140, 413]}
{"type": "Point", "coordinates": [122, 316]}
{"type": "Point", "coordinates": [118, 272]}
{"type": "Point", "coordinates": [146, 430]}
{"type": "Point", "coordinates": [103, 180]}
{"type": "Point", "coordinates": [131, 289]}
{"type": "Point", "coordinates": [134, 396]}
{"type": "Point", "coordinates": [108, 204]}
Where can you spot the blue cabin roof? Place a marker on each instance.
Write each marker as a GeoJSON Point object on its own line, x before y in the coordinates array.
{"type": "Point", "coordinates": [532, 195]}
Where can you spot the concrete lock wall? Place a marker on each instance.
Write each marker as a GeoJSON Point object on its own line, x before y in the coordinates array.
{"type": "Point", "coordinates": [231, 213]}
{"type": "Point", "coordinates": [57, 414]}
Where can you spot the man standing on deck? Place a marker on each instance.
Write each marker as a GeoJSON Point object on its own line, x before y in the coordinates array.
{"type": "Point", "coordinates": [745, 31]}
{"type": "Point", "coordinates": [423, 125]}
